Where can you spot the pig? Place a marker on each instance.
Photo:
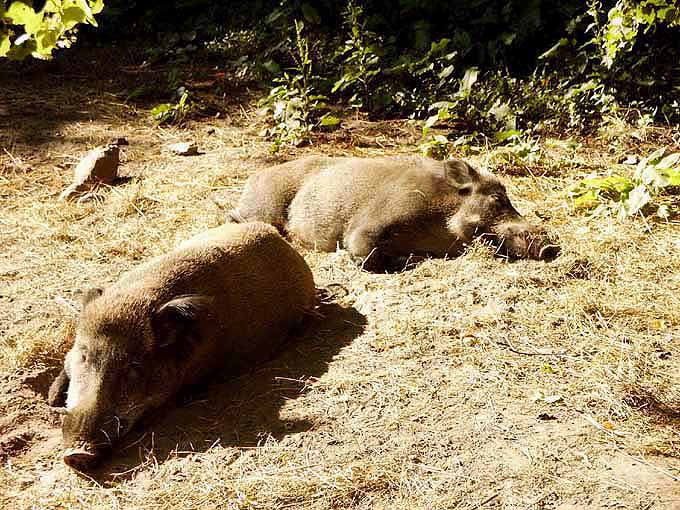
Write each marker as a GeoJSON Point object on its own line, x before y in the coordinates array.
{"type": "Point", "coordinates": [383, 210]}
{"type": "Point", "coordinates": [222, 301]}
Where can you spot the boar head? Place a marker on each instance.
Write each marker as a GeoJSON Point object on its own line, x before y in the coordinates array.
{"type": "Point", "coordinates": [480, 208]}
{"type": "Point", "coordinates": [128, 356]}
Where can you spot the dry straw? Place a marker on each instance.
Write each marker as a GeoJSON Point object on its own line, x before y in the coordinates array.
{"type": "Point", "coordinates": [464, 383]}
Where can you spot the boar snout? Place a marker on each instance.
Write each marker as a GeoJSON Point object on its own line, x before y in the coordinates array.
{"type": "Point", "coordinates": [83, 458]}
{"type": "Point", "coordinates": [88, 438]}
{"type": "Point", "coordinates": [549, 252]}
{"type": "Point", "coordinates": [523, 240]}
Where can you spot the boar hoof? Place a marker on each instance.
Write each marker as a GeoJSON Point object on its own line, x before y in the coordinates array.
{"type": "Point", "coordinates": [549, 252]}
{"type": "Point", "coordinates": [80, 459]}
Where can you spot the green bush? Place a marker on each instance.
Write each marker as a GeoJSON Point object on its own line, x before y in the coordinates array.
{"type": "Point", "coordinates": [651, 189]}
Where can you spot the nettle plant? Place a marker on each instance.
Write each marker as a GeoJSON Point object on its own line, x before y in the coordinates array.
{"type": "Point", "coordinates": [487, 109]}
{"type": "Point", "coordinates": [294, 104]}
{"type": "Point", "coordinates": [652, 189]}
{"type": "Point", "coordinates": [359, 59]}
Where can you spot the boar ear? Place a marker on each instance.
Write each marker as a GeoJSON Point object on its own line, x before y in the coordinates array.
{"type": "Point", "coordinates": [90, 295]}
{"type": "Point", "coordinates": [458, 172]}
{"type": "Point", "coordinates": [177, 320]}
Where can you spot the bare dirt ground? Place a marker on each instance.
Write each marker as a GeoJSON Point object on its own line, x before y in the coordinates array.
{"type": "Point", "coordinates": [470, 383]}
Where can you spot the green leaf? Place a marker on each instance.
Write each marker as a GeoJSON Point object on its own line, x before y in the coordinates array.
{"type": "Point", "coordinates": [329, 120]}
{"type": "Point", "coordinates": [508, 37]}
{"type": "Point", "coordinates": [469, 79]}
{"type": "Point", "coordinates": [637, 199]}
{"type": "Point", "coordinates": [73, 15]}
{"type": "Point", "coordinates": [431, 121]}
{"type": "Point", "coordinates": [651, 176]}
{"type": "Point", "coordinates": [4, 44]}
{"type": "Point", "coordinates": [450, 105]}
{"type": "Point", "coordinates": [615, 183]}
{"type": "Point", "coordinates": [160, 111]}
{"type": "Point", "coordinates": [21, 51]}
{"type": "Point", "coordinates": [46, 40]}
{"type": "Point", "coordinates": [669, 161]}
{"type": "Point", "coordinates": [673, 177]}
{"type": "Point", "coordinates": [52, 6]}
{"type": "Point", "coordinates": [20, 13]}
{"type": "Point", "coordinates": [272, 67]}
{"type": "Point", "coordinates": [97, 6]}
{"type": "Point", "coordinates": [552, 51]}
{"type": "Point", "coordinates": [588, 200]}
{"type": "Point", "coordinates": [446, 72]}
{"type": "Point", "coordinates": [84, 5]}
{"type": "Point", "coordinates": [339, 85]}
{"type": "Point", "coordinates": [274, 16]}
{"type": "Point", "coordinates": [502, 136]}
{"type": "Point", "coordinates": [653, 158]}
{"type": "Point", "coordinates": [439, 46]}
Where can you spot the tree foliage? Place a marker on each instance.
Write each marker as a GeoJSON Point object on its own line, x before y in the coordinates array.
{"type": "Point", "coordinates": [25, 30]}
{"type": "Point", "coordinates": [498, 66]}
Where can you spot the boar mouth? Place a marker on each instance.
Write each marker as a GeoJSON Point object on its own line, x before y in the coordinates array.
{"type": "Point", "coordinates": [524, 245]}
{"type": "Point", "coordinates": [87, 451]}
{"type": "Point", "coordinates": [85, 456]}
{"type": "Point", "coordinates": [81, 459]}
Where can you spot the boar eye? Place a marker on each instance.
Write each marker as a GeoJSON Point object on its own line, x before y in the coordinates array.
{"type": "Point", "coordinates": [464, 191]}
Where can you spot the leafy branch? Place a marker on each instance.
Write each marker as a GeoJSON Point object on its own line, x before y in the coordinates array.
{"type": "Point", "coordinates": [24, 31]}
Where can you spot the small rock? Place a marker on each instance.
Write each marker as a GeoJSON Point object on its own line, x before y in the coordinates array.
{"type": "Point", "coordinates": [630, 160]}
{"type": "Point", "coordinates": [100, 165]}
{"type": "Point", "coordinates": [552, 399]}
{"type": "Point", "coordinates": [546, 417]}
{"type": "Point", "coordinates": [184, 148]}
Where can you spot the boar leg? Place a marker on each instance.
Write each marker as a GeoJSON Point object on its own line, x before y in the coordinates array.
{"type": "Point", "coordinates": [56, 396]}
{"type": "Point", "coordinates": [388, 243]}
{"type": "Point", "coordinates": [374, 249]}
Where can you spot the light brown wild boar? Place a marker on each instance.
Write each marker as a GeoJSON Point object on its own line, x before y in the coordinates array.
{"type": "Point", "coordinates": [385, 209]}
{"type": "Point", "coordinates": [224, 300]}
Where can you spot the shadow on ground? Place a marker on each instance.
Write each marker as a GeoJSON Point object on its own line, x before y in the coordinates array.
{"type": "Point", "coordinates": [105, 85]}
{"type": "Point", "coordinates": [243, 411]}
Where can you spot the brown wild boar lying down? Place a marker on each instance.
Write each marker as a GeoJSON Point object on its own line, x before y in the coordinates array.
{"type": "Point", "coordinates": [385, 209]}
{"type": "Point", "coordinates": [223, 300]}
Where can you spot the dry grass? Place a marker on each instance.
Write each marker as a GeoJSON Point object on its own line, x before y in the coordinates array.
{"type": "Point", "coordinates": [465, 383]}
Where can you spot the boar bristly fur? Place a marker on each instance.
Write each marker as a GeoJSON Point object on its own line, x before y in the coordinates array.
{"type": "Point", "coordinates": [224, 300]}
{"type": "Point", "coordinates": [381, 209]}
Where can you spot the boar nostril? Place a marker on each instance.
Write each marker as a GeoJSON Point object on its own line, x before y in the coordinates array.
{"type": "Point", "coordinates": [80, 459]}
{"type": "Point", "coordinates": [549, 252]}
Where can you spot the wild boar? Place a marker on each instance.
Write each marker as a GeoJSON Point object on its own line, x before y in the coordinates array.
{"type": "Point", "coordinates": [224, 300]}
{"type": "Point", "coordinates": [385, 209]}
